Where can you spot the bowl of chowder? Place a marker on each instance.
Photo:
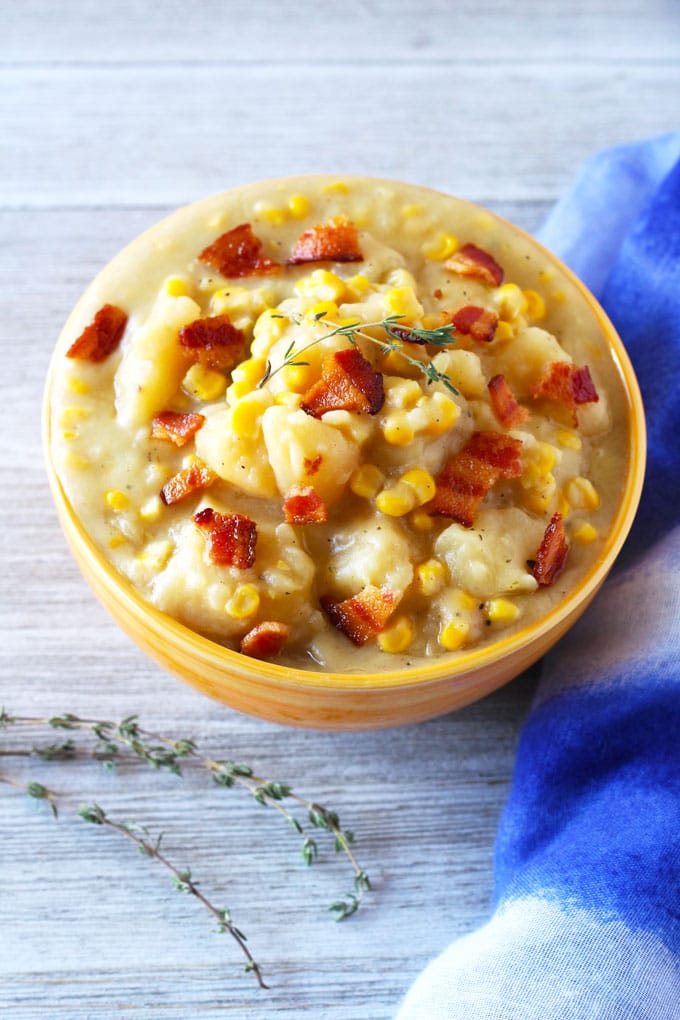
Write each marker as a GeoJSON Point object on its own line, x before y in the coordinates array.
{"type": "Point", "coordinates": [342, 452]}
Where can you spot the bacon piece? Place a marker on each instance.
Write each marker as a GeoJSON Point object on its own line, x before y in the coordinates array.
{"type": "Point", "coordinates": [569, 384]}
{"type": "Point", "coordinates": [184, 483]}
{"type": "Point", "coordinates": [303, 505]}
{"type": "Point", "coordinates": [101, 337]}
{"type": "Point", "coordinates": [176, 428]}
{"type": "Point", "coordinates": [238, 253]}
{"type": "Point", "coordinates": [335, 241]}
{"type": "Point", "coordinates": [213, 341]}
{"type": "Point", "coordinates": [362, 616]}
{"type": "Point", "coordinates": [265, 640]}
{"type": "Point", "coordinates": [469, 476]}
{"type": "Point", "coordinates": [473, 261]}
{"type": "Point", "coordinates": [479, 323]}
{"type": "Point", "coordinates": [505, 406]}
{"type": "Point", "coordinates": [552, 553]}
{"type": "Point", "coordinates": [348, 383]}
{"type": "Point", "coordinates": [312, 464]}
{"type": "Point", "coordinates": [231, 537]}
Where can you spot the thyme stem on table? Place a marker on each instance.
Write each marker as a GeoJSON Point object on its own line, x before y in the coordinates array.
{"type": "Point", "coordinates": [127, 740]}
{"type": "Point", "coordinates": [397, 334]}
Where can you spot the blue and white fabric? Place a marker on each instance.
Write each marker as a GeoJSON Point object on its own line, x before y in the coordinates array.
{"type": "Point", "coordinates": [586, 922]}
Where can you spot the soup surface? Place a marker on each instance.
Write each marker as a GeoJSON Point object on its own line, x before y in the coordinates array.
{"type": "Point", "coordinates": [341, 423]}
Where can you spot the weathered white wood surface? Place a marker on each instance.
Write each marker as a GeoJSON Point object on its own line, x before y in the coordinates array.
{"type": "Point", "coordinates": [110, 114]}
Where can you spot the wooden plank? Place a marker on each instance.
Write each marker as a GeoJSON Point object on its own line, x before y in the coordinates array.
{"type": "Point", "coordinates": [441, 127]}
{"type": "Point", "coordinates": [389, 31]}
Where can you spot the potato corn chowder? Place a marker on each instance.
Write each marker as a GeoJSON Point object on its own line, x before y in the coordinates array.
{"type": "Point", "coordinates": [340, 423]}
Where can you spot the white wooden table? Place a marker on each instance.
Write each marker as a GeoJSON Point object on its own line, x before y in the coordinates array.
{"type": "Point", "coordinates": [111, 114]}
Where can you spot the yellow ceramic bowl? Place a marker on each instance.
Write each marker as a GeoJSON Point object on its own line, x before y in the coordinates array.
{"type": "Point", "coordinates": [345, 701]}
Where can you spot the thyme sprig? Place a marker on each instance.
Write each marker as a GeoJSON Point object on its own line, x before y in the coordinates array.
{"type": "Point", "coordinates": [149, 847]}
{"type": "Point", "coordinates": [397, 334]}
{"type": "Point", "coordinates": [117, 742]}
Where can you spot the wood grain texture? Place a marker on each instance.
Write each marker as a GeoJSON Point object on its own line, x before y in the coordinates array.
{"type": "Point", "coordinates": [111, 115]}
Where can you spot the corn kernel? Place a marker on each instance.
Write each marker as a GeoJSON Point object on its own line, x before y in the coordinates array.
{"type": "Point", "coordinates": [323, 310]}
{"type": "Point", "coordinates": [582, 494]}
{"type": "Point", "coordinates": [268, 328]}
{"type": "Point", "coordinates": [466, 601]}
{"type": "Point", "coordinates": [204, 383]}
{"type": "Point", "coordinates": [453, 635]}
{"type": "Point", "coordinates": [409, 211]}
{"type": "Point", "coordinates": [116, 541]}
{"type": "Point", "coordinates": [420, 521]}
{"type": "Point", "coordinates": [175, 286]}
{"type": "Point", "coordinates": [322, 284]}
{"type": "Point", "coordinates": [75, 462]}
{"type": "Point", "coordinates": [70, 416]}
{"type": "Point", "coordinates": [366, 481]}
{"type": "Point", "coordinates": [559, 296]}
{"type": "Point", "coordinates": [156, 554]}
{"type": "Point", "coordinates": [431, 576]}
{"type": "Point", "coordinates": [535, 305]}
{"type": "Point", "coordinates": [546, 275]}
{"type": "Point", "coordinates": [246, 377]}
{"type": "Point", "coordinates": [402, 301]}
{"type": "Point", "coordinates": [151, 510]}
{"type": "Point", "coordinates": [539, 499]}
{"type": "Point", "coordinates": [68, 434]}
{"type": "Point", "coordinates": [439, 248]}
{"type": "Point", "coordinates": [397, 429]}
{"type": "Point", "coordinates": [443, 413]}
{"type": "Point", "coordinates": [396, 501]}
{"type": "Point", "coordinates": [504, 331]}
{"type": "Point", "coordinates": [269, 213]}
{"type": "Point", "coordinates": [298, 378]}
{"type": "Point", "coordinates": [394, 364]}
{"type": "Point", "coordinates": [584, 533]}
{"type": "Point", "coordinates": [397, 637]}
{"type": "Point", "coordinates": [539, 460]}
{"type": "Point", "coordinates": [422, 483]}
{"type": "Point", "coordinates": [117, 500]}
{"type": "Point", "coordinates": [78, 386]}
{"type": "Point", "coordinates": [569, 439]}
{"type": "Point", "coordinates": [246, 413]}
{"type": "Point", "coordinates": [358, 286]}
{"type": "Point", "coordinates": [501, 610]}
{"type": "Point", "coordinates": [298, 206]}
{"type": "Point", "coordinates": [512, 302]}
{"type": "Point", "coordinates": [244, 602]}
{"type": "Point", "coordinates": [337, 187]}
{"type": "Point", "coordinates": [563, 506]}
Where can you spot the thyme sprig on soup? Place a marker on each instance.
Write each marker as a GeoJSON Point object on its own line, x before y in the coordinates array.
{"type": "Point", "coordinates": [341, 424]}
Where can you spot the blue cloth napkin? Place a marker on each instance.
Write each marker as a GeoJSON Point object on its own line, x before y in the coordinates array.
{"type": "Point", "coordinates": [587, 873]}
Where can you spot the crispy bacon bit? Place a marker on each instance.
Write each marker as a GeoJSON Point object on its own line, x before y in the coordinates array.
{"type": "Point", "coordinates": [302, 505]}
{"type": "Point", "coordinates": [176, 428]}
{"type": "Point", "coordinates": [265, 640]}
{"type": "Point", "coordinates": [238, 253]}
{"type": "Point", "coordinates": [101, 337]}
{"type": "Point", "coordinates": [231, 537]}
{"type": "Point", "coordinates": [312, 464]}
{"type": "Point", "coordinates": [184, 483]}
{"type": "Point", "coordinates": [505, 406]}
{"type": "Point", "coordinates": [362, 616]}
{"type": "Point", "coordinates": [335, 241]}
{"type": "Point", "coordinates": [552, 554]}
{"type": "Point", "coordinates": [213, 341]}
{"type": "Point", "coordinates": [473, 261]}
{"type": "Point", "coordinates": [569, 384]}
{"type": "Point", "coordinates": [468, 477]}
{"type": "Point", "coordinates": [479, 323]}
{"type": "Point", "coordinates": [348, 383]}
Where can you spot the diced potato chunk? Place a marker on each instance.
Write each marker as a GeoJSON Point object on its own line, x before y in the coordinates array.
{"type": "Point", "coordinates": [235, 458]}
{"type": "Point", "coordinates": [305, 451]}
{"type": "Point", "coordinates": [371, 552]}
{"type": "Point", "coordinates": [492, 557]}
{"type": "Point", "coordinates": [153, 363]}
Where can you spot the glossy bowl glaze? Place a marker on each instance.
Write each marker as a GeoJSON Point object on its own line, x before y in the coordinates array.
{"type": "Point", "coordinates": [347, 701]}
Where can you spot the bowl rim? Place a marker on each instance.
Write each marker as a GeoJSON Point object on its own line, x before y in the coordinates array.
{"type": "Point", "coordinates": [451, 667]}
